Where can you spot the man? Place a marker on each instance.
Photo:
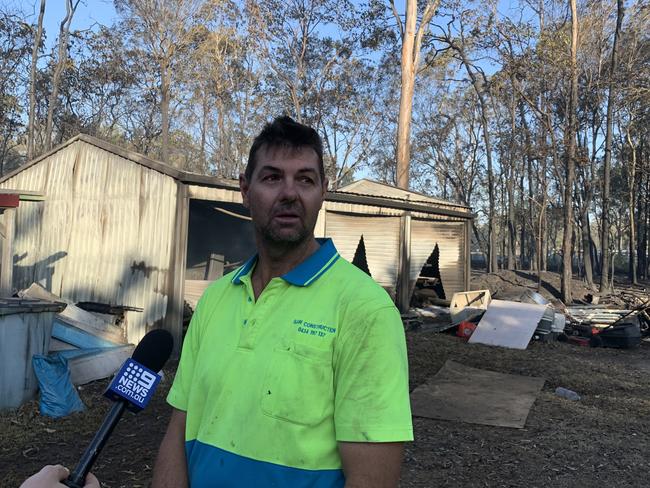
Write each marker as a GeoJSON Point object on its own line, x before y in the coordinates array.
{"type": "Point", "coordinates": [293, 371]}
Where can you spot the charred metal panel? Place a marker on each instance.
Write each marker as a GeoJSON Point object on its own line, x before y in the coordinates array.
{"type": "Point", "coordinates": [104, 232]}
{"type": "Point", "coordinates": [450, 237]}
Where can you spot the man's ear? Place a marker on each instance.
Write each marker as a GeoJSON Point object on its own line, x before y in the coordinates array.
{"type": "Point", "coordinates": [326, 184]}
{"type": "Point", "coordinates": [243, 188]}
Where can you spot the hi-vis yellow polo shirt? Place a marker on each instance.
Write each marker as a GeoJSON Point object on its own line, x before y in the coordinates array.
{"type": "Point", "coordinates": [270, 386]}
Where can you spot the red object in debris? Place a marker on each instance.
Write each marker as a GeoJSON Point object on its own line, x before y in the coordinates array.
{"type": "Point", "coordinates": [465, 329]}
{"type": "Point", "coordinates": [578, 341]}
{"type": "Point", "coordinates": [9, 200]}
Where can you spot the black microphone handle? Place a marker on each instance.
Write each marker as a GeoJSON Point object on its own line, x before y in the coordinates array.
{"type": "Point", "coordinates": [78, 477]}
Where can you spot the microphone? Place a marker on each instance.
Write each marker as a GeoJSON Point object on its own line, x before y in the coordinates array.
{"type": "Point", "coordinates": [132, 388]}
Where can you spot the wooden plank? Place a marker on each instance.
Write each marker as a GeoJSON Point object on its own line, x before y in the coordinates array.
{"type": "Point", "coordinates": [9, 200]}
{"type": "Point", "coordinates": [77, 337]}
{"type": "Point", "coordinates": [99, 365]}
{"type": "Point", "coordinates": [78, 317]}
{"type": "Point", "coordinates": [174, 318]}
{"type": "Point", "coordinates": [404, 268]}
{"type": "Point", "coordinates": [24, 195]}
{"type": "Point", "coordinates": [7, 260]}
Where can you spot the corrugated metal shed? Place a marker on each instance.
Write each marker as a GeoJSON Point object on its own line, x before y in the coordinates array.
{"type": "Point", "coordinates": [103, 232]}
{"type": "Point", "coordinates": [113, 227]}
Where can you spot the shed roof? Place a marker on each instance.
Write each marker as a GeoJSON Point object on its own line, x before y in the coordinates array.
{"type": "Point", "coordinates": [363, 191]}
{"type": "Point", "coordinates": [373, 188]}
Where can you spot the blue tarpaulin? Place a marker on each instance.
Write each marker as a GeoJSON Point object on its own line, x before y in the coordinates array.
{"type": "Point", "coordinates": [58, 395]}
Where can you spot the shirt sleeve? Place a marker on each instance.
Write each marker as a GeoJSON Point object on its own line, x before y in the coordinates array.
{"type": "Point", "coordinates": [178, 396]}
{"type": "Point", "coordinates": [371, 380]}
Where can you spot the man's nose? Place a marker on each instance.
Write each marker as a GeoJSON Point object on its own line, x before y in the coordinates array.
{"type": "Point", "coordinates": [289, 190]}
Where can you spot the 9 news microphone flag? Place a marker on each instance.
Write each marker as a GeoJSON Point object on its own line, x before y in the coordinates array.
{"type": "Point", "coordinates": [132, 388]}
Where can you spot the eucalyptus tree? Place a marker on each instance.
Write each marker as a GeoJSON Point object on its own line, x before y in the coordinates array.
{"type": "Point", "coordinates": [461, 42]}
{"type": "Point", "coordinates": [570, 133]}
{"type": "Point", "coordinates": [604, 281]}
{"type": "Point", "coordinates": [318, 54]}
{"type": "Point", "coordinates": [412, 34]}
{"type": "Point", "coordinates": [165, 30]}
{"type": "Point", "coordinates": [300, 44]}
{"type": "Point", "coordinates": [447, 152]}
{"type": "Point", "coordinates": [16, 38]}
{"type": "Point", "coordinates": [59, 67]}
{"type": "Point", "coordinates": [37, 45]}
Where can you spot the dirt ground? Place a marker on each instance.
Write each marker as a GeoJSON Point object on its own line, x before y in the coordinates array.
{"type": "Point", "coordinates": [600, 441]}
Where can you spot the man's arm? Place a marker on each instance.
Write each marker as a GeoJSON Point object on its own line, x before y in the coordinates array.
{"type": "Point", "coordinates": [170, 470]}
{"type": "Point", "coordinates": [371, 464]}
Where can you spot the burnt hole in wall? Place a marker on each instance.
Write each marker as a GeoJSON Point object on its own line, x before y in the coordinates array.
{"type": "Point", "coordinates": [359, 259]}
{"type": "Point", "coordinates": [428, 285]}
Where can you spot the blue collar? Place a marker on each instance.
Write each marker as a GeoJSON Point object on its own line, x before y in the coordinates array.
{"type": "Point", "coordinates": [306, 272]}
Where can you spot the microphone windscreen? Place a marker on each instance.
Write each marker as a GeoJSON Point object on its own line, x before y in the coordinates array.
{"type": "Point", "coordinates": [154, 349]}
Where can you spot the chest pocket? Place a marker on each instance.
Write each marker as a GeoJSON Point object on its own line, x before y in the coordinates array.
{"type": "Point", "coordinates": [298, 385]}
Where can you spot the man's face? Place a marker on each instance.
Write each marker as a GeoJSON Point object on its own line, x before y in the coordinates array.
{"type": "Point", "coordinates": [284, 194]}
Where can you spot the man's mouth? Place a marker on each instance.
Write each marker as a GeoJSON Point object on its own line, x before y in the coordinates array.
{"type": "Point", "coordinates": [287, 216]}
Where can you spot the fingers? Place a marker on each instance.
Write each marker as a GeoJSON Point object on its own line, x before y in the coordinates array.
{"type": "Point", "coordinates": [91, 481]}
{"type": "Point", "coordinates": [48, 476]}
{"type": "Point", "coordinates": [58, 472]}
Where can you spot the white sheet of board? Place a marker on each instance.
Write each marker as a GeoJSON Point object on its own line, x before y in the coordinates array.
{"type": "Point", "coordinates": [508, 324]}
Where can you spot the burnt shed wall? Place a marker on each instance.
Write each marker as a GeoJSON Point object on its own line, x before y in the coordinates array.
{"type": "Point", "coordinates": [104, 232]}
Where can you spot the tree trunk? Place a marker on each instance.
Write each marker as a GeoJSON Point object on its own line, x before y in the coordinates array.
{"type": "Point", "coordinates": [205, 109]}
{"type": "Point", "coordinates": [604, 281]}
{"type": "Point", "coordinates": [533, 251]}
{"type": "Point", "coordinates": [164, 110]}
{"type": "Point", "coordinates": [642, 216]}
{"type": "Point", "coordinates": [570, 138]}
{"type": "Point", "coordinates": [411, 42]}
{"type": "Point", "coordinates": [586, 245]}
{"type": "Point", "coordinates": [32, 84]}
{"type": "Point", "coordinates": [522, 234]}
{"type": "Point", "coordinates": [492, 241]}
{"type": "Point", "coordinates": [406, 97]}
{"type": "Point", "coordinates": [632, 226]}
{"type": "Point", "coordinates": [221, 147]}
{"type": "Point", "coordinates": [64, 31]}
{"type": "Point", "coordinates": [512, 230]}
{"type": "Point", "coordinates": [510, 189]}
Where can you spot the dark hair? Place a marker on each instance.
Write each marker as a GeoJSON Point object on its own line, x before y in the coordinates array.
{"type": "Point", "coordinates": [287, 133]}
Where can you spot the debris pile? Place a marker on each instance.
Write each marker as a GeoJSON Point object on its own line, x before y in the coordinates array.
{"type": "Point", "coordinates": [476, 317]}
{"type": "Point", "coordinates": [90, 345]}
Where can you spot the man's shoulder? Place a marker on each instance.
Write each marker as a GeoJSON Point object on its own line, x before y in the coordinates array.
{"type": "Point", "coordinates": [357, 287]}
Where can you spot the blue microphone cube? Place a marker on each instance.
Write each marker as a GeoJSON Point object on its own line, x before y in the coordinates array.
{"type": "Point", "coordinates": [133, 383]}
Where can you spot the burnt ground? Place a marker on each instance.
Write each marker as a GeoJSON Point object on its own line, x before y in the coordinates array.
{"type": "Point", "coordinates": [600, 441]}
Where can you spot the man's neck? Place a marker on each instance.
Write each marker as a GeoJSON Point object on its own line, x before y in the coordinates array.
{"type": "Point", "coordinates": [274, 261]}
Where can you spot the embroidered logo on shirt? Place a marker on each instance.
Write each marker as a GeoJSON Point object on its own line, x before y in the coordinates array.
{"type": "Point", "coordinates": [309, 328]}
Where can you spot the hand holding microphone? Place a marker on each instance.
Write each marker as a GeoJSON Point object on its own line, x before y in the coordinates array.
{"type": "Point", "coordinates": [52, 476]}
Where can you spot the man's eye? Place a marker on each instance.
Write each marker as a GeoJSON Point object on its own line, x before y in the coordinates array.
{"type": "Point", "coordinates": [307, 179]}
{"type": "Point", "coordinates": [271, 178]}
